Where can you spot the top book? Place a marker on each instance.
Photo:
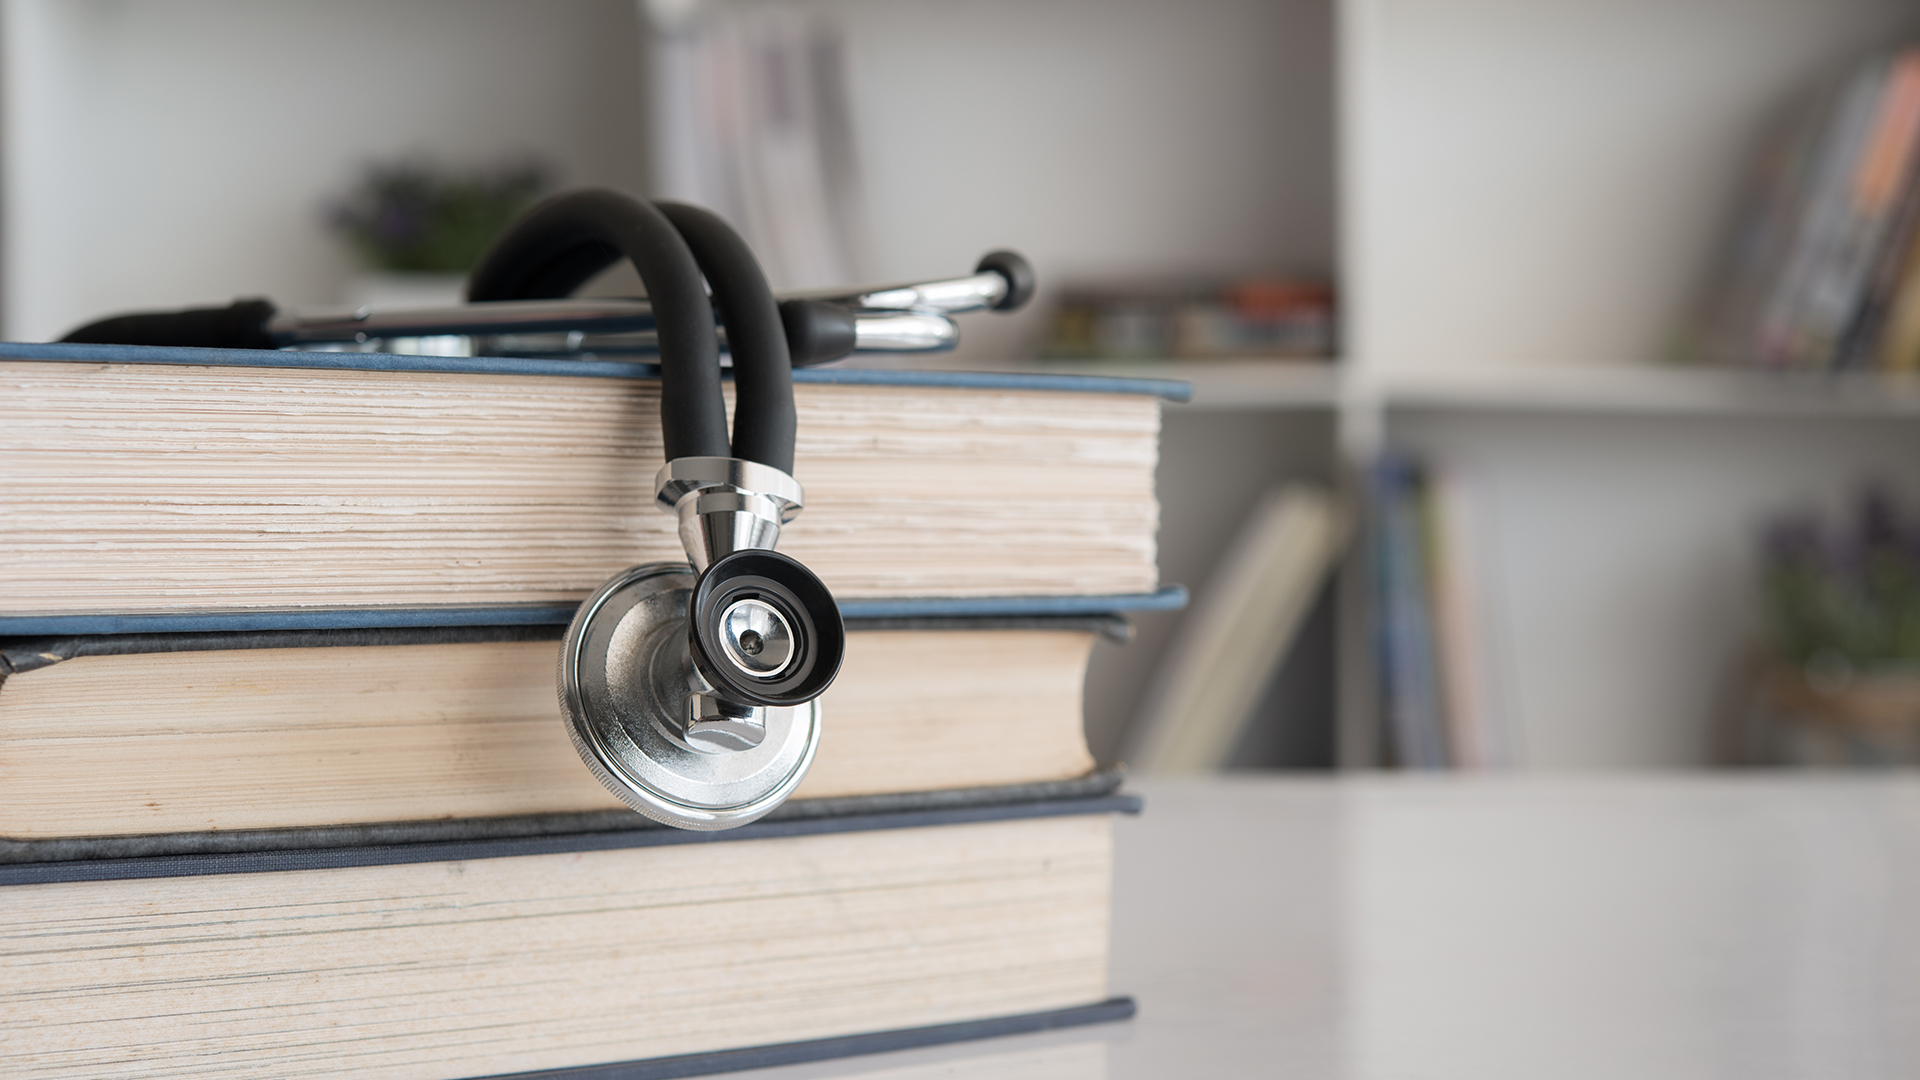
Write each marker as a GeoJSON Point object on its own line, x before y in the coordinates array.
{"type": "Point", "coordinates": [151, 480]}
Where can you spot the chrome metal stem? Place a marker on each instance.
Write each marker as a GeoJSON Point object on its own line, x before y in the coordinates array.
{"type": "Point", "coordinates": [726, 505]}
{"type": "Point", "coordinates": [894, 318]}
{"type": "Point", "coordinates": [951, 297]}
{"type": "Point", "coordinates": [600, 316]}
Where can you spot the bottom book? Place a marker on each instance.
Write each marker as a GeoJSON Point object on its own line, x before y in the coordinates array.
{"type": "Point", "coordinates": [628, 953]}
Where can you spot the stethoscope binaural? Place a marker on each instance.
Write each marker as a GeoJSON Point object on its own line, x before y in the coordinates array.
{"type": "Point", "coordinates": [691, 689]}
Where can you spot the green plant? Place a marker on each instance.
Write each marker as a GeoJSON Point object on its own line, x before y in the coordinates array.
{"type": "Point", "coordinates": [1851, 600]}
{"type": "Point", "coordinates": [416, 216]}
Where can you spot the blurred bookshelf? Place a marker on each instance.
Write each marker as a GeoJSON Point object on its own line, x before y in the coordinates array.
{"type": "Point", "coordinates": [1507, 297]}
{"type": "Point", "coordinates": [1507, 318]}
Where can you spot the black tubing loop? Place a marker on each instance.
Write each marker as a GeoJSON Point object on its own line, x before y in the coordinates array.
{"type": "Point", "coordinates": [566, 239]}
{"type": "Point", "coordinates": [763, 421]}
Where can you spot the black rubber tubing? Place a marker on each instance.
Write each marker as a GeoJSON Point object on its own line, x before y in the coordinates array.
{"type": "Point", "coordinates": [240, 325]}
{"type": "Point", "coordinates": [818, 331]}
{"type": "Point", "coordinates": [763, 421]}
{"type": "Point", "coordinates": [566, 239]}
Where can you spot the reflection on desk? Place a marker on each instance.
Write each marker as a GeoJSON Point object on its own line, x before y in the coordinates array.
{"type": "Point", "coordinates": [1571, 927]}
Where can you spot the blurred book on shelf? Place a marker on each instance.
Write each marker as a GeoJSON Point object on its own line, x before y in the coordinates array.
{"type": "Point", "coordinates": [1265, 317]}
{"type": "Point", "coordinates": [1823, 269]}
{"type": "Point", "coordinates": [1435, 692]}
{"type": "Point", "coordinates": [752, 117]}
{"type": "Point", "coordinates": [1836, 679]}
{"type": "Point", "coordinates": [1205, 696]}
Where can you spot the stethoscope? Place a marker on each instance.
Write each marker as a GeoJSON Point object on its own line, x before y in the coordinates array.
{"type": "Point", "coordinates": [691, 690]}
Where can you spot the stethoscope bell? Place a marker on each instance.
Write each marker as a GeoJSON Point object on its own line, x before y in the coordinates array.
{"type": "Point", "coordinates": [692, 694]}
{"type": "Point", "coordinates": [653, 728]}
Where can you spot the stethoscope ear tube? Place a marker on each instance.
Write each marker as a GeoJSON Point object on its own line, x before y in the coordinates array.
{"type": "Point", "coordinates": [240, 325]}
{"type": "Point", "coordinates": [1018, 273]}
{"type": "Point", "coordinates": [568, 238]}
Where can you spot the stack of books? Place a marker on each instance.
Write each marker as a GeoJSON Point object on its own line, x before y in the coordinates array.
{"type": "Point", "coordinates": [286, 787]}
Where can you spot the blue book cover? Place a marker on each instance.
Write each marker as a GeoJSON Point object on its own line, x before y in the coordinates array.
{"type": "Point", "coordinates": [1408, 663]}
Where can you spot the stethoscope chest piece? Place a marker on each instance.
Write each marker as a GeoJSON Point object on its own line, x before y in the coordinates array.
{"type": "Point", "coordinates": [651, 725]}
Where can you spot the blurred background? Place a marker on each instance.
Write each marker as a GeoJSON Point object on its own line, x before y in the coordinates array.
{"type": "Point", "coordinates": [1552, 360]}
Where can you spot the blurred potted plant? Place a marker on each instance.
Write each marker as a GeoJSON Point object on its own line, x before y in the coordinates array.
{"type": "Point", "coordinates": [419, 227]}
{"type": "Point", "coordinates": [1841, 677]}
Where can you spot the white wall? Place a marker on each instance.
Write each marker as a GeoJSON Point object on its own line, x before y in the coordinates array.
{"type": "Point", "coordinates": [175, 152]}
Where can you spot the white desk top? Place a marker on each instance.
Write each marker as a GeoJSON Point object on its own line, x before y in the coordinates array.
{"type": "Point", "coordinates": [1621, 926]}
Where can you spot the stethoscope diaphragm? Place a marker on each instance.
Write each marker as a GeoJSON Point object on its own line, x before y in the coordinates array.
{"type": "Point", "coordinates": [648, 724]}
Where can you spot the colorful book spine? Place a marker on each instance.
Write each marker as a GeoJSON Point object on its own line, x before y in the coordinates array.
{"type": "Point", "coordinates": [1822, 274]}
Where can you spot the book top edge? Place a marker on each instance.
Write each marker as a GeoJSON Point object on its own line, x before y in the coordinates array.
{"type": "Point", "coordinates": [66, 352]}
{"type": "Point", "coordinates": [19, 655]}
{"type": "Point", "coordinates": [28, 864]}
{"type": "Point", "coordinates": [711, 1062]}
{"type": "Point", "coordinates": [267, 619]}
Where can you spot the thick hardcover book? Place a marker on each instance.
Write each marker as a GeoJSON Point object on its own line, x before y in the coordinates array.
{"type": "Point", "coordinates": [132, 735]}
{"type": "Point", "coordinates": [640, 952]}
{"type": "Point", "coordinates": [145, 480]}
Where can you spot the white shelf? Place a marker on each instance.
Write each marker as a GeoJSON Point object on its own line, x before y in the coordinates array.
{"type": "Point", "coordinates": [1225, 384]}
{"type": "Point", "coordinates": [1625, 390]}
{"type": "Point", "coordinates": [1652, 392]}
{"type": "Point", "coordinates": [1283, 385]}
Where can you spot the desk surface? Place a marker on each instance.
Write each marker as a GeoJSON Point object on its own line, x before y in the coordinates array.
{"type": "Point", "coordinates": [1624, 926]}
